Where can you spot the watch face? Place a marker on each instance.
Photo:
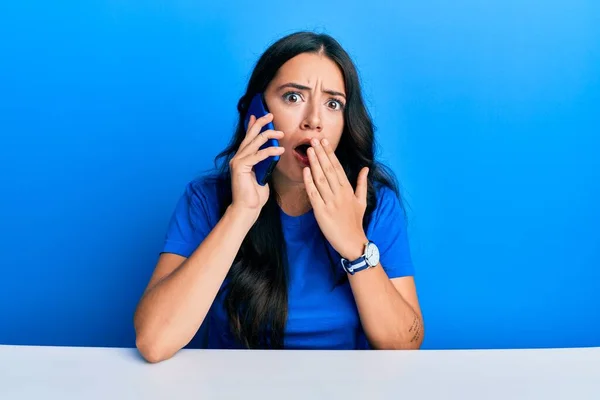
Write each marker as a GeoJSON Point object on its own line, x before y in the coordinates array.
{"type": "Point", "coordinates": [372, 254]}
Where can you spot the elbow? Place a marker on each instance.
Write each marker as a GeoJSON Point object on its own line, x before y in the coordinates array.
{"type": "Point", "coordinates": [399, 341]}
{"type": "Point", "coordinates": [397, 345]}
{"type": "Point", "coordinates": [400, 345]}
{"type": "Point", "coordinates": [414, 340]}
{"type": "Point", "coordinates": [148, 344]}
{"type": "Point", "coordinates": [151, 350]}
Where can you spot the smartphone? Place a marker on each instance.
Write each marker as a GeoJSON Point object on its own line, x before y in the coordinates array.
{"type": "Point", "coordinates": [263, 169]}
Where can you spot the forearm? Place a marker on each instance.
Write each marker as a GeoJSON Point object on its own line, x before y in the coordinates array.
{"type": "Point", "coordinates": [171, 312]}
{"type": "Point", "coordinates": [387, 319]}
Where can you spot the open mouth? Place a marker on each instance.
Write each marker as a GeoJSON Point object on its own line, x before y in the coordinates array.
{"type": "Point", "coordinates": [301, 155]}
{"type": "Point", "coordinates": [302, 149]}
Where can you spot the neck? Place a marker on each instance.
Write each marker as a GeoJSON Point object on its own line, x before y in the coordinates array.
{"type": "Point", "coordinates": [292, 196]}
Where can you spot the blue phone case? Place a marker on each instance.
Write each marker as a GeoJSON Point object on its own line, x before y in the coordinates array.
{"type": "Point", "coordinates": [263, 169]}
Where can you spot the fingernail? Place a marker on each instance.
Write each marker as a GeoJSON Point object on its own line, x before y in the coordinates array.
{"type": "Point", "coordinates": [314, 142]}
{"type": "Point", "coordinates": [325, 142]}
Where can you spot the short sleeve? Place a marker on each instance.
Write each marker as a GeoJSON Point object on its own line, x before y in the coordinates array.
{"type": "Point", "coordinates": [192, 219]}
{"type": "Point", "coordinates": [388, 230]}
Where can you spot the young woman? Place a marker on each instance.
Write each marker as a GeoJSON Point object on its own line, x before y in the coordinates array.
{"type": "Point", "coordinates": [317, 258]}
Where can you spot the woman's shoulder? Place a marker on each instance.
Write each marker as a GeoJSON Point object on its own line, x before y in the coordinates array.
{"type": "Point", "coordinates": [204, 196]}
{"type": "Point", "coordinates": [388, 229]}
{"type": "Point", "coordinates": [210, 186]}
{"type": "Point", "coordinates": [388, 199]}
{"type": "Point", "coordinates": [206, 186]}
{"type": "Point", "coordinates": [196, 213]}
{"type": "Point", "coordinates": [389, 211]}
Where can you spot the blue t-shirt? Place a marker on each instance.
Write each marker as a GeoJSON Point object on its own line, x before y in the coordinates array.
{"type": "Point", "coordinates": [321, 315]}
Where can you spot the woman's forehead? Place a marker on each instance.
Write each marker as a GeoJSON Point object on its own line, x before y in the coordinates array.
{"type": "Point", "coordinates": [309, 69]}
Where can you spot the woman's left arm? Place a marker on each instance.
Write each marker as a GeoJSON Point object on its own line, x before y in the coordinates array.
{"type": "Point", "coordinates": [388, 308]}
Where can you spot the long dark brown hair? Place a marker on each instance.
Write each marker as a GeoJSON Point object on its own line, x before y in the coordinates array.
{"type": "Point", "coordinates": [257, 298]}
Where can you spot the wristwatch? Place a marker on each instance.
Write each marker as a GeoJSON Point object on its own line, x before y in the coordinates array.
{"type": "Point", "coordinates": [369, 259]}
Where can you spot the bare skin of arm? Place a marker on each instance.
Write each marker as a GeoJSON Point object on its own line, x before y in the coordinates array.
{"type": "Point", "coordinates": [182, 290]}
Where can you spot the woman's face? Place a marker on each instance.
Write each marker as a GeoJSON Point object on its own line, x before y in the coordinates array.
{"type": "Point", "coordinates": [307, 100]}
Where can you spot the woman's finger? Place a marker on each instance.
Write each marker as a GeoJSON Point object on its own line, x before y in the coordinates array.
{"type": "Point", "coordinates": [254, 129]}
{"type": "Point", "coordinates": [261, 139]}
{"type": "Point", "coordinates": [253, 159]}
{"type": "Point", "coordinates": [326, 166]}
{"type": "Point", "coordinates": [319, 178]}
{"type": "Point", "coordinates": [313, 193]}
{"type": "Point", "coordinates": [337, 166]}
{"type": "Point", "coordinates": [362, 185]}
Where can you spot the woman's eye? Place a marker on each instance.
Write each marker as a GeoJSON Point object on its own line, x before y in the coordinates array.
{"type": "Point", "coordinates": [291, 97]}
{"type": "Point", "coordinates": [335, 105]}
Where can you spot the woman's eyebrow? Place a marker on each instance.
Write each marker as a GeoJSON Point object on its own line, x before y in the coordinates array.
{"type": "Point", "coordinates": [302, 87]}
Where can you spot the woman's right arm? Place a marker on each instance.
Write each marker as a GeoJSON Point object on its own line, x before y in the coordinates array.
{"type": "Point", "coordinates": [182, 290]}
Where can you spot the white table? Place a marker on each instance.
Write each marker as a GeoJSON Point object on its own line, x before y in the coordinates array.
{"type": "Point", "coordinates": [28, 372]}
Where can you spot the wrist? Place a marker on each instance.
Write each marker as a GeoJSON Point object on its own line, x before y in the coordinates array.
{"type": "Point", "coordinates": [245, 216]}
{"type": "Point", "coordinates": [355, 248]}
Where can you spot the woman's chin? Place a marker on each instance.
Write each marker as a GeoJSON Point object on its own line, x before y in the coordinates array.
{"type": "Point", "coordinates": [289, 174]}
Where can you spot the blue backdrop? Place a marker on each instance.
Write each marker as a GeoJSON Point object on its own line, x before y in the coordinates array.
{"type": "Point", "coordinates": [489, 113]}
